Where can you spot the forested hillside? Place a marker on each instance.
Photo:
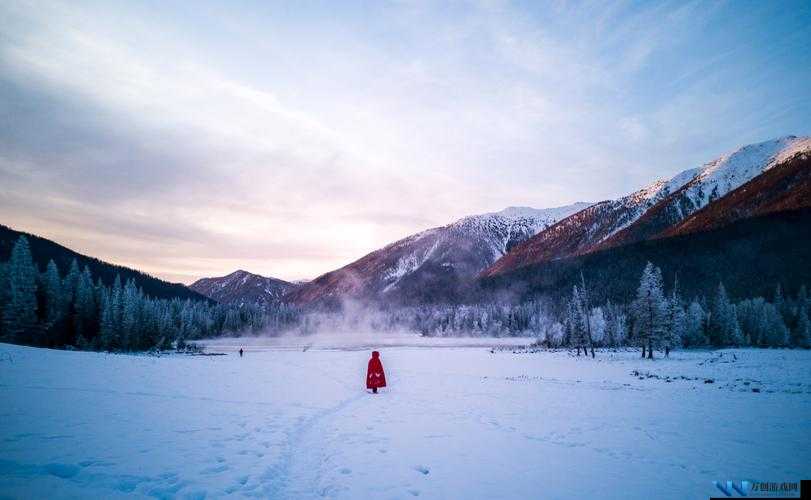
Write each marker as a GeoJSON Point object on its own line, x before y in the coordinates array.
{"type": "Point", "coordinates": [44, 250]}
{"type": "Point", "coordinates": [73, 308]}
{"type": "Point", "coordinates": [749, 256]}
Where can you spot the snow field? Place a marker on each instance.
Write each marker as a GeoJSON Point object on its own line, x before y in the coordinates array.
{"type": "Point", "coordinates": [455, 422]}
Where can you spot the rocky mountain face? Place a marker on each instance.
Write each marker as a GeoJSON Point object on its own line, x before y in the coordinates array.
{"type": "Point", "coordinates": [652, 211]}
{"type": "Point", "coordinates": [242, 287]}
{"type": "Point", "coordinates": [714, 182]}
{"type": "Point", "coordinates": [782, 189]}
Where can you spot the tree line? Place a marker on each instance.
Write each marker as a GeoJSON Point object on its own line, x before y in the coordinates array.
{"type": "Point", "coordinates": [52, 309]}
{"type": "Point", "coordinates": [665, 321]}
{"type": "Point", "coordinates": [656, 319]}
{"type": "Point", "coordinates": [57, 310]}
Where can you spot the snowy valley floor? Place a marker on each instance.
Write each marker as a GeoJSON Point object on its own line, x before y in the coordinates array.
{"type": "Point", "coordinates": [455, 422]}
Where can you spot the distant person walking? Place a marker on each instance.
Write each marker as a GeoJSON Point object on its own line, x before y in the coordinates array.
{"type": "Point", "coordinates": [375, 378]}
{"type": "Point", "coordinates": [240, 352]}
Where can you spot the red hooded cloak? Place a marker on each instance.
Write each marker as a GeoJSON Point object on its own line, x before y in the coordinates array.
{"type": "Point", "coordinates": [375, 378]}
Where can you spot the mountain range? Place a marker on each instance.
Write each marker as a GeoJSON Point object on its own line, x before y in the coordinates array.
{"type": "Point", "coordinates": [242, 287]}
{"type": "Point", "coordinates": [744, 217]}
{"type": "Point", "coordinates": [744, 220]}
{"type": "Point", "coordinates": [650, 212]}
{"type": "Point", "coordinates": [509, 249]}
{"type": "Point", "coordinates": [436, 264]}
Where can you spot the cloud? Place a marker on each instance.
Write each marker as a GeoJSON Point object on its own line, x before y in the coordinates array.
{"type": "Point", "coordinates": [295, 140]}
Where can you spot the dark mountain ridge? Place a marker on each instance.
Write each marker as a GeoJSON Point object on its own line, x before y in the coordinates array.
{"type": "Point", "coordinates": [44, 250]}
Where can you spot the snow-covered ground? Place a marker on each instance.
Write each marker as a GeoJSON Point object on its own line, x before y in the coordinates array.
{"type": "Point", "coordinates": [363, 341]}
{"type": "Point", "coordinates": [455, 422]}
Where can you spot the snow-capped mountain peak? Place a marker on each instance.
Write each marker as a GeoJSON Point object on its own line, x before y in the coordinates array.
{"type": "Point", "coordinates": [555, 213]}
{"type": "Point", "coordinates": [653, 209]}
{"type": "Point", "coordinates": [722, 175]}
{"type": "Point", "coordinates": [668, 201]}
{"type": "Point", "coordinates": [242, 287]}
{"type": "Point", "coordinates": [498, 232]}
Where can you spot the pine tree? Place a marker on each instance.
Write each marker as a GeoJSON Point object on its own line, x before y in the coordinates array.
{"type": "Point", "coordinates": [84, 305]}
{"type": "Point", "coordinates": [694, 325]}
{"type": "Point", "coordinates": [98, 291]}
{"type": "Point", "coordinates": [20, 312]}
{"type": "Point", "coordinates": [4, 295]}
{"type": "Point", "coordinates": [801, 336]}
{"type": "Point", "coordinates": [775, 330]}
{"type": "Point", "coordinates": [585, 304]}
{"type": "Point", "coordinates": [131, 317]}
{"type": "Point", "coordinates": [750, 313]}
{"type": "Point", "coordinates": [54, 298]}
{"type": "Point", "coordinates": [782, 305]}
{"type": "Point", "coordinates": [579, 321]}
{"type": "Point", "coordinates": [724, 328]}
{"type": "Point", "coordinates": [674, 335]}
{"type": "Point", "coordinates": [615, 332]}
{"type": "Point", "coordinates": [599, 325]}
{"type": "Point", "coordinates": [778, 296]}
{"type": "Point", "coordinates": [649, 309]}
{"type": "Point", "coordinates": [71, 283]}
{"type": "Point", "coordinates": [610, 325]}
{"type": "Point", "coordinates": [108, 332]}
{"type": "Point", "coordinates": [569, 323]}
{"type": "Point", "coordinates": [802, 298]}
{"type": "Point", "coordinates": [117, 307]}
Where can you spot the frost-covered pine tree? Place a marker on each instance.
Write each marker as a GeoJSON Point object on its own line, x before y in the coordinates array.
{"type": "Point", "coordinates": [616, 325]}
{"type": "Point", "coordinates": [84, 305]}
{"type": "Point", "coordinates": [71, 283]}
{"type": "Point", "coordinates": [782, 305]}
{"type": "Point", "coordinates": [776, 329]}
{"type": "Point", "coordinates": [108, 331]}
{"type": "Point", "coordinates": [167, 325]}
{"type": "Point", "coordinates": [649, 309]}
{"type": "Point", "coordinates": [754, 318]}
{"type": "Point", "coordinates": [569, 323]}
{"type": "Point", "coordinates": [130, 316]}
{"type": "Point", "coordinates": [724, 328]}
{"type": "Point", "coordinates": [801, 336]}
{"type": "Point", "coordinates": [585, 301]}
{"type": "Point", "coordinates": [764, 323]}
{"type": "Point", "coordinates": [98, 290]}
{"type": "Point", "coordinates": [54, 296]}
{"type": "Point", "coordinates": [578, 319]}
{"type": "Point", "coordinates": [802, 298]}
{"type": "Point", "coordinates": [695, 319]}
{"type": "Point", "coordinates": [20, 313]}
{"type": "Point", "coordinates": [674, 333]}
{"type": "Point", "coordinates": [117, 302]}
{"type": "Point", "coordinates": [4, 291]}
{"type": "Point", "coordinates": [598, 324]}
{"type": "Point", "coordinates": [610, 339]}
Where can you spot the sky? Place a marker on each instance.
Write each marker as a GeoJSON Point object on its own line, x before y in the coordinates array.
{"type": "Point", "coordinates": [191, 139]}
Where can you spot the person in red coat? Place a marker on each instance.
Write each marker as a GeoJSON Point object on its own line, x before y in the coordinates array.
{"type": "Point", "coordinates": [375, 378]}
